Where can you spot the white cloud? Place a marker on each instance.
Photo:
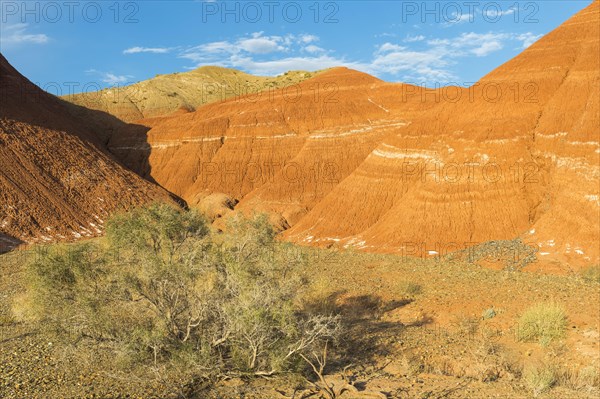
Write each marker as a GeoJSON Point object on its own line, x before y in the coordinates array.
{"type": "Point", "coordinates": [528, 39]}
{"type": "Point", "coordinates": [482, 44]}
{"type": "Point", "coordinates": [115, 79]}
{"type": "Point", "coordinates": [309, 39]}
{"type": "Point", "coordinates": [431, 62]}
{"type": "Point", "coordinates": [415, 66]}
{"type": "Point", "coordinates": [154, 50]}
{"type": "Point", "coordinates": [489, 14]}
{"type": "Point", "coordinates": [387, 47]}
{"type": "Point", "coordinates": [214, 47]}
{"type": "Point", "coordinates": [386, 34]}
{"type": "Point", "coordinates": [257, 43]}
{"type": "Point", "coordinates": [110, 78]}
{"type": "Point", "coordinates": [487, 48]}
{"type": "Point", "coordinates": [412, 39]}
{"type": "Point", "coordinates": [18, 33]}
{"type": "Point", "coordinates": [267, 55]}
{"type": "Point", "coordinates": [279, 66]}
{"type": "Point", "coordinates": [459, 18]}
{"type": "Point", "coordinates": [314, 49]}
{"type": "Point", "coordinates": [479, 44]}
{"type": "Point", "coordinates": [495, 14]}
{"type": "Point", "coordinates": [261, 45]}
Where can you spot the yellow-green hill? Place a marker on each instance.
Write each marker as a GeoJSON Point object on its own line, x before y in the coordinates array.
{"type": "Point", "coordinates": [165, 94]}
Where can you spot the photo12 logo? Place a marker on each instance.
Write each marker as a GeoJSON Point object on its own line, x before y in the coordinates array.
{"type": "Point", "coordinates": [468, 11]}
{"type": "Point", "coordinates": [69, 11]}
{"type": "Point", "coordinates": [270, 11]}
{"type": "Point", "coordinates": [265, 172]}
{"type": "Point", "coordinates": [490, 92]}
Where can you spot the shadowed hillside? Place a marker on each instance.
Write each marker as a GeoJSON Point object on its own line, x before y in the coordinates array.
{"type": "Point", "coordinates": [56, 180]}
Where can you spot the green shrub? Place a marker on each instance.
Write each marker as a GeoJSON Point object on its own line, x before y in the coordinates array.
{"type": "Point", "coordinates": [540, 378]}
{"type": "Point", "coordinates": [543, 322]}
{"type": "Point", "coordinates": [489, 313]}
{"type": "Point", "coordinates": [61, 277]}
{"type": "Point", "coordinates": [162, 290]}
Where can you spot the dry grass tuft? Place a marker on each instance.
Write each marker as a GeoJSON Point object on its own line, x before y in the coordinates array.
{"type": "Point", "coordinates": [543, 322]}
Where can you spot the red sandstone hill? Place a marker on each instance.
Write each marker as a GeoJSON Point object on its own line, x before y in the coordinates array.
{"type": "Point", "coordinates": [281, 151]}
{"type": "Point", "coordinates": [56, 181]}
{"type": "Point", "coordinates": [346, 159]}
{"type": "Point", "coordinates": [487, 167]}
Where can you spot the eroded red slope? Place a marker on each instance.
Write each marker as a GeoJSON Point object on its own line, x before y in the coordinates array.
{"type": "Point", "coordinates": [487, 168]}
{"type": "Point", "coordinates": [281, 151]}
{"type": "Point", "coordinates": [56, 182]}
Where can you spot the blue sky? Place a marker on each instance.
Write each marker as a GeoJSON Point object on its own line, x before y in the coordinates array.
{"type": "Point", "coordinates": [80, 46]}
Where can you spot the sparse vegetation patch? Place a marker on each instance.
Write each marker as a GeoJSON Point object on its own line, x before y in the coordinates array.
{"type": "Point", "coordinates": [543, 322]}
{"type": "Point", "coordinates": [162, 290]}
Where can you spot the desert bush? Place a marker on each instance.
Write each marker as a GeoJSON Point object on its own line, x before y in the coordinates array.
{"type": "Point", "coordinates": [591, 274]}
{"type": "Point", "coordinates": [588, 378]}
{"type": "Point", "coordinates": [162, 290]}
{"type": "Point", "coordinates": [540, 378]}
{"type": "Point", "coordinates": [543, 322]}
{"type": "Point", "coordinates": [578, 378]}
{"type": "Point", "coordinates": [489, 313]}
{"type": "Point", "coordinates": [548, 373]}
{"type": "Point", "coordinates": [58, 279]}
